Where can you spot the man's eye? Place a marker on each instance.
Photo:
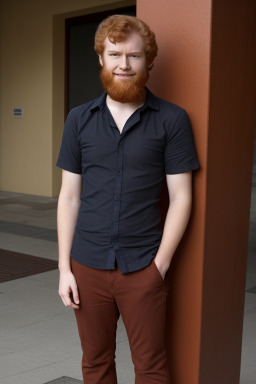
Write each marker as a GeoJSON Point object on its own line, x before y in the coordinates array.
{"type": "Point", "coordinates": [113, 54]}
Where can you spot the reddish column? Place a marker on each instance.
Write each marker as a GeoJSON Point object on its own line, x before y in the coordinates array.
{"type": "Point", "coordinates": [206, 65]}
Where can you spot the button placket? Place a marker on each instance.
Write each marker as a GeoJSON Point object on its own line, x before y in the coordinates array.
{"type": "Point", "coordinates": [114, 248]}
{"type": "Point", "coordinates": [117, 195]}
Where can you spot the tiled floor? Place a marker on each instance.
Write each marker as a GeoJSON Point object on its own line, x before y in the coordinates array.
{"type": "Point", "coordinates": [39, 341]}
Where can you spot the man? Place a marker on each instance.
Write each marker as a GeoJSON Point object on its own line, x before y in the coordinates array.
{"type": "Point", "coordinates": [113, 254]}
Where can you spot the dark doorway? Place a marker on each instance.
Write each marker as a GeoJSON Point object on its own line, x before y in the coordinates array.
{"type": "Point", "coordinates": [82, 81]}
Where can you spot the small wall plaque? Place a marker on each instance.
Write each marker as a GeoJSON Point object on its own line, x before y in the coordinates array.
{"type": "Point", "coordinates": [18, 112]}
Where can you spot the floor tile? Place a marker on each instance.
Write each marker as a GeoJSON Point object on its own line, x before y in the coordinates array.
{"type": "Point", "coordinates": [27, 230]}
{"type": "Point", "coordinates": [248, 374]}
{"type": "Point", "coordinates": [34, 247]}
{"type": "Point", "coordinates": [250, 302]}
{"type": "Point", "coordinates": [16, 363]}
{"type": "Point", "coordinates": [65, 380]}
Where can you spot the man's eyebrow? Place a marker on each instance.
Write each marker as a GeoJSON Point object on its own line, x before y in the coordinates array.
{"type": "Point", "coordinates": [130, 53]}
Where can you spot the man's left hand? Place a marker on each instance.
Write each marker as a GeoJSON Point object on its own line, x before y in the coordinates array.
{"type": "Point", "coordinates": [161, 266]}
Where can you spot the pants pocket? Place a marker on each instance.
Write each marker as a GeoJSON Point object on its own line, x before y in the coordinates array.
{"type": "Point", "coordinates": [158, 272]}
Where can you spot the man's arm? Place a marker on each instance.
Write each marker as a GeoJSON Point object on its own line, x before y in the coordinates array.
{"type": "Point", "coordinates": [180, 196]}
{"type": "Point", "coordinates": [67, 213]}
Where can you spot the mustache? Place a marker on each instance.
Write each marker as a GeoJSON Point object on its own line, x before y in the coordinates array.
{"type": "Point", "coordinates": [124, 91]}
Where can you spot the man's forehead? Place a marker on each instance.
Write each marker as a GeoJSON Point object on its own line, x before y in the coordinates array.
{"type": "Point", "coordinates": [133, 42]}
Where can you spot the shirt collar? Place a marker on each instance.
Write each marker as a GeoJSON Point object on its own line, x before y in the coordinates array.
{"type": "Point", "coordinates": [99, 103]}
{"type": "Point", "coordinates": [150, 102]}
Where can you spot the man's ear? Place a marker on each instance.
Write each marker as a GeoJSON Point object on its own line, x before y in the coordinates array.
{"type": "Point", "coordinates": [100, 61]}
{"type": "Point", "coordinates": [150, 66]}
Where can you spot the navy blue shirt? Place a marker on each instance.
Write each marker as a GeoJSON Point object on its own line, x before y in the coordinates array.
{"type": "Point", "coordinates": [119, 217]}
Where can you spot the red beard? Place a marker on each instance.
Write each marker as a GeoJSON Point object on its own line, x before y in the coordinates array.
{"type": "Point", "coordinates": [124, 91]}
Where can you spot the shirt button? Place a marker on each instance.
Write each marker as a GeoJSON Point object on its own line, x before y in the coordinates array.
{"type": "Point", "coordinates": [117, 198]}
{"type": "Point", "coordinates": [118, 172]}
{"type": "Point", "coordinates": [115, 219]}
{"type": "Point", "coordinates": [119, 147]}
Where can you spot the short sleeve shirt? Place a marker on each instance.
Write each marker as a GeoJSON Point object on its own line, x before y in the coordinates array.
{"type": "Point", "coordinates": [119, 220]}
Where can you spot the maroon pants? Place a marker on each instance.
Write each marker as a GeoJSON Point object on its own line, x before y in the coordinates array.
{"type": "Point", "coordinates": [140, 298]}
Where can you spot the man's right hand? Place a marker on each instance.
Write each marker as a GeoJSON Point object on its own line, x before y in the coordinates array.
{"type": "Point", "coordinates": [68, 289]}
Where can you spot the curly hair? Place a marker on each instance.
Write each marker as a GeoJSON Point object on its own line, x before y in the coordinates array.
{"type": "Point", "coordinates": [118, 27]}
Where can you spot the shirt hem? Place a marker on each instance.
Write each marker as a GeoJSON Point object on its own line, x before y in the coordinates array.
{"type": "Point", "coordinates": [130, 267]}
{"type": "Point", "coordinates": [187, 168]}
{"type": "Point", "coordinates": [83, 262]}
{"type": "Point", "coordinates": [68, 168]}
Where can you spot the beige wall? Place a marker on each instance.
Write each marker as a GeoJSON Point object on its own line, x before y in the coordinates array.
{"type": "Point", "coordinates": [32, 77]}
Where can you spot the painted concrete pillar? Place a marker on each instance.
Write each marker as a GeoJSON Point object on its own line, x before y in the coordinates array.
{"type": "Point", "coordinates": [206, 64]}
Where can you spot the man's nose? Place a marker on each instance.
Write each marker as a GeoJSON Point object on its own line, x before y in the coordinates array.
{"type": "Point", "coordinates": [124, 63]}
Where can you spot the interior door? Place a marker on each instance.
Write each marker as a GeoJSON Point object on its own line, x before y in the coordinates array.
{"type": "Point", "coordinates": [82, 67]}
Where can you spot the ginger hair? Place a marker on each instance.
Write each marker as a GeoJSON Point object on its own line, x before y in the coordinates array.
{"type": "Point", "coordinates": [118, 27]}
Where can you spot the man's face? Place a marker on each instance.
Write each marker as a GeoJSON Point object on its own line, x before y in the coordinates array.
{"type": "Point", "coordinates": [124, 72]}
